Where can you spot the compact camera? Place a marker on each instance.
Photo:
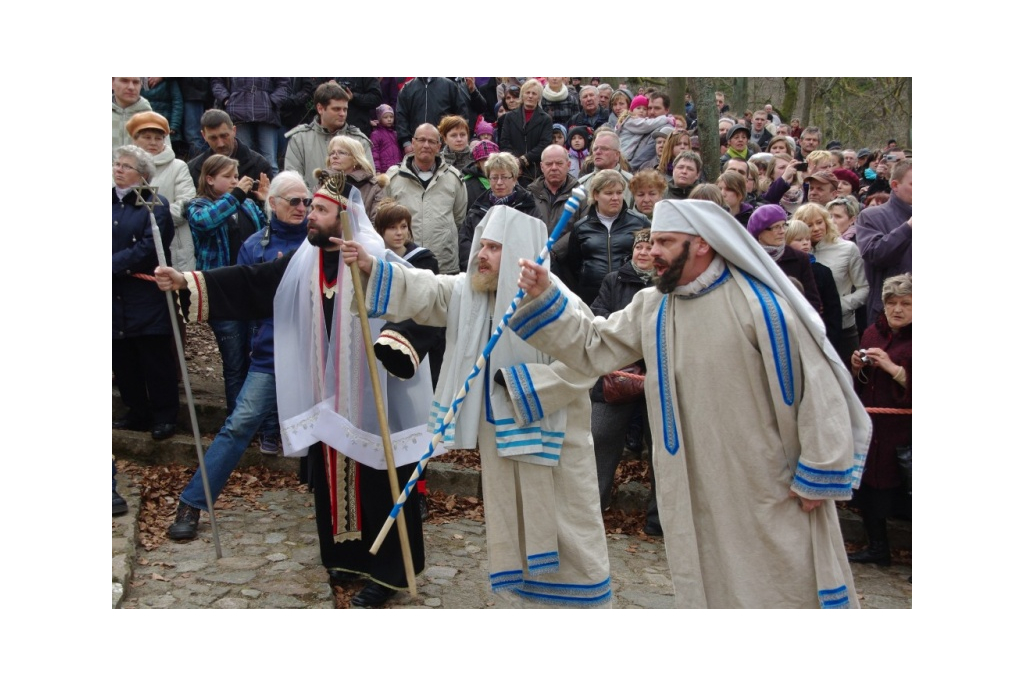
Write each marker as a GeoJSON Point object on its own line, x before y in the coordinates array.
{"type": "Point", "coordinates": [864, 358]}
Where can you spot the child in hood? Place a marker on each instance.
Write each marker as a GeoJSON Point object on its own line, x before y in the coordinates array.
{"type": "Point", "coordinates": [384, 140]}
{"type": "Point", "coordinates": [579, 148]}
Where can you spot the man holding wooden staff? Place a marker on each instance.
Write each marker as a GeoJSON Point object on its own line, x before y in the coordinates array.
{"type": "Point", "coordinates": [324, 400]}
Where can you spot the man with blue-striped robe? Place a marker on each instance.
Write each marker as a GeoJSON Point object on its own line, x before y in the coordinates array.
{"type": "Point", "coordinates": [756, 430]}
{"type": "Point", "coordinates": [530, 419]}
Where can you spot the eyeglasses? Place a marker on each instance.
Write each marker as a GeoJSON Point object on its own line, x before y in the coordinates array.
{"type": "Point", "coordinates": [339, 153]}
{"type": "Point", "coordinates": [427, 141]}
{"type": "Point", "coordinates": [296, 201]}
{"type": "Point", "coordinates": [124, 167]}
{"type": "Point", "coordinates": [503, 179]}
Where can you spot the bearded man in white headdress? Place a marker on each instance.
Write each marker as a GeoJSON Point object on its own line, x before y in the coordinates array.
{"type": "Point", "coordinates": [324, 390]}
{"type": "Point", "coordinates": [530, 419]}
{"type": "Point", "coordinates": [756, 427]}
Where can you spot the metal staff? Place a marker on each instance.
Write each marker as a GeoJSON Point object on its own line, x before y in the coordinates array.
{"type": "Point", "coordinates": [571, 205]}
{"type": "Point", "coordinates": [382, 417]}
{"type": "Point", "coordinates": [181, 355]}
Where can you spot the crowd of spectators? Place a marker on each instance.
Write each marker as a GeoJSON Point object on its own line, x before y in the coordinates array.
{"type": "Point", "coordinates": [835, 215]}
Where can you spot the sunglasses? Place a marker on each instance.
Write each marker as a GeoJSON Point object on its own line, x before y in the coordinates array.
{"type": "Point", "coordinates": [514, 90]}
{"type": "Point", "coordinates": [296, 201]}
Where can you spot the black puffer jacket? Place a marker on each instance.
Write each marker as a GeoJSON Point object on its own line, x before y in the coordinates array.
{"type": "Point", "coordinates": [594, 251]}
{"type": "Point", "coordinates": [520, 199]}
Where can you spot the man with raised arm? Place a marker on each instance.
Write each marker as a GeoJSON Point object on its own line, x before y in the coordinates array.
{"type": "Point", "coordinates": [531, 420]}
{"type": "Point", "coordinates": [757, 432]}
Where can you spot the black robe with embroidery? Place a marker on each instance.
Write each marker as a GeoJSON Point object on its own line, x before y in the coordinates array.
{"type": "Point", "coordinates": [247, 292]}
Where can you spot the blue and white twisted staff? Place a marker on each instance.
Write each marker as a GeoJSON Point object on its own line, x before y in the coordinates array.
{"type": "Point", "coordinates": [571, 206]}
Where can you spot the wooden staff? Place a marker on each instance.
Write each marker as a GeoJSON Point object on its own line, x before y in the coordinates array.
{"type": "Point", "coordinates": [382, 416]}
{"type": "Point", "coordinates": [162, 260]}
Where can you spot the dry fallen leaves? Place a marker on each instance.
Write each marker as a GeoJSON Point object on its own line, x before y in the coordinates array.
{"type": "Point", "coordinates": [160, 486]}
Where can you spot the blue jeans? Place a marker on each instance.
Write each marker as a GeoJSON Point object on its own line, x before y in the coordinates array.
{"type": "Point", "coordinates": [193, 136]}
{"type": "Point", "coordinates": [257, 399]}
{"type": "Point", "coordinates": [233, 341]}
{"type": "Point", "coordinates": [261, 138]}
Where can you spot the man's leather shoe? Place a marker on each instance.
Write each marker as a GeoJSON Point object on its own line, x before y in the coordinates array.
{"type": "Point", "coordinates": [127, 423]}
{"type": "Point", "coordinates": [186, 523]}
{"type": "Point", "coordinates": [120, 506]}
{"type": "Point", "coordinates": [162, 431]}
{"type": "Point", "coordinates": [653, 529]}
{"type": "Point", "coordinates": [373, 595]}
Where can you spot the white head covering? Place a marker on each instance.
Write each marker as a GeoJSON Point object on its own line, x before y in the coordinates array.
{"type": "Point", "coordinates": [729, 239]}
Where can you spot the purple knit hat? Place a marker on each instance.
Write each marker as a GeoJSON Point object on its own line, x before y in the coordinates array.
{"type": "Point", "coordinates": [384, 109]}
{"type": "Point", "coordinates": [485, 149]}
{"type": "Point", "coordinates": [763, 217]}
{"type": "Point", "coordinates": [483, 127]}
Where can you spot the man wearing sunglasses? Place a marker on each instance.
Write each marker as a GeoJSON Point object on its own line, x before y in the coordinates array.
{"type": "Point", "coordinates": [256, 406]}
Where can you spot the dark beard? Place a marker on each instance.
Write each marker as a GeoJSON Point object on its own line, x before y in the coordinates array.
{"type": "Point", "coordinates": [322, 239]}
{"type": "Point", "coordinates": [669, 279]}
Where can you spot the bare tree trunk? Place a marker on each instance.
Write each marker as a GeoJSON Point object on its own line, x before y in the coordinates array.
{"type": "Point", "coordinates": [677, 93]}
{"type": "Point", "coordinates": [739, 96]}
{"type": "Point", "coordinates": [805, 111]}
{"type": "Point", "coordinates": [910, 114]}
{"type": "Point", "coordinates": [788, 110]}
{"type": "Point", "coordinates": [707, 125]}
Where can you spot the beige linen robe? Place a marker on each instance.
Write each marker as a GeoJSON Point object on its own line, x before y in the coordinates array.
{"type": "Point", "coordinates": [545, 533]}
{"type": "Point", "coordinates": [733, 535]}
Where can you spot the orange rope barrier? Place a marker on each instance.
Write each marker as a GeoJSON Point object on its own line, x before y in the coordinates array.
{"type": "Point", "coordinates": [886, 410]}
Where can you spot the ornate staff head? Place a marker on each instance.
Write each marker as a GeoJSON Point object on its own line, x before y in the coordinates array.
{"type": "Point", "coordinates": [154, 198]}
{"type": "Point", "coordinates": [332, 187]}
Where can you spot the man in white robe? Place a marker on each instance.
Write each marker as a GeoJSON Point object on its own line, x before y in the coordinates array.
{"type": "Point", "coordinates": [545, 534]}
{"type": "Point", "coordinates": [757, 431]}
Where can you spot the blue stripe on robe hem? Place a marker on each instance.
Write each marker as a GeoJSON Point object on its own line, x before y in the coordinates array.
{"type": "Point", "coordinates": [836, 598]}
{"type": "Point", "coordinates": [823, 483]}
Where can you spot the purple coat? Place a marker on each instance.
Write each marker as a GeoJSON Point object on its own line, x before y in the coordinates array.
{"type": "Point", "coordinates": [883, 237]}
{"type": "Point", "coordinates": [386, 153]}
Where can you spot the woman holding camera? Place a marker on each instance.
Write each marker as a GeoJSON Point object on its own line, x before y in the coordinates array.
{"type": "Point", "coordinates": [882, 378]}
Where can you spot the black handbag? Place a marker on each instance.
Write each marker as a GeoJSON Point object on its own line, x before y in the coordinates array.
{"type": "Point", "coordinates": [903, 461]}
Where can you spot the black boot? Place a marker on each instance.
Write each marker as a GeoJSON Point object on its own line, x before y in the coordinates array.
{"type": "Point", "coordinates": [186, 523]}
{"type": "Point", "coordinates": [877, 551]}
